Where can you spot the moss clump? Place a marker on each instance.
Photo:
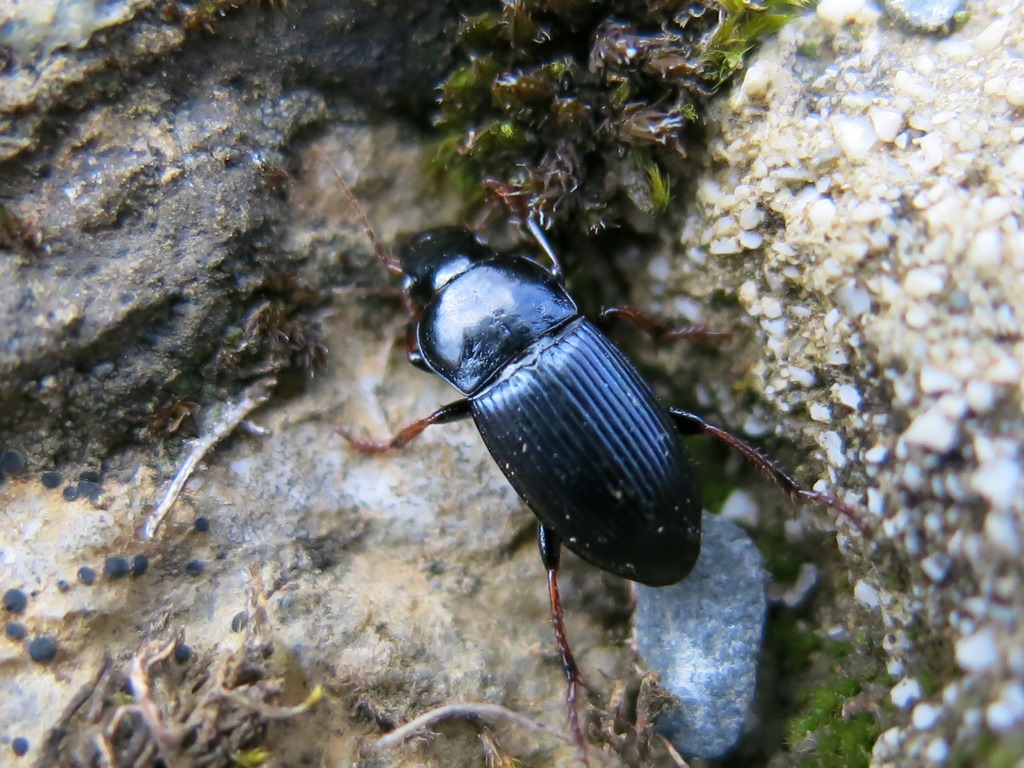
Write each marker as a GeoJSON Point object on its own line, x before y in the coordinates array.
{"type": "Point", "coordinates": [840, 739]}
{"type": "Point", "coordinates": [572, 108]}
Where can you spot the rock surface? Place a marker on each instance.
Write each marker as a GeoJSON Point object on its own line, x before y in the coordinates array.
{"type": "Point", "coordinates": [857, 225]}
{"type": "Point", "coordinates": [156, 213]}
{"type": "Point", "coordinates": [863, 201]}
{"type": "Point", "coordinates": [703, 637]}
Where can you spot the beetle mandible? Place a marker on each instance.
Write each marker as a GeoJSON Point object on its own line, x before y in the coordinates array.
{"type": "Point", "coordinates": [568, 419]}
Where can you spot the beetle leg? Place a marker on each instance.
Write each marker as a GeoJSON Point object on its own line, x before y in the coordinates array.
{"type": "Point", "coordinates": [659, 329]}
{"type": "Point", "coordinates": [446, 414]}
{"type": "Point", "coordinates": [692, 424]}
{"type": "Point", "coordinates": [550, 544]}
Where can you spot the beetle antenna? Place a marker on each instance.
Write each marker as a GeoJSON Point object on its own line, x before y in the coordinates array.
{"type": "Point", "coordinates": [538, 234]}
{"type": "Point", "coordinates": [391, 264]}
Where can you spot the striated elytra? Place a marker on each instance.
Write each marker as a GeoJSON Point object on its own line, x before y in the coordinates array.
{"type": "Point", "coordinates": [568, 419]}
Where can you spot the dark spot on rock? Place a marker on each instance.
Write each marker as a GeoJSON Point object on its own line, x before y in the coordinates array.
{"type": "Point", "coordinates": [238, 621]}
{"type": "Point", "coordinates": [14, 600]}
{"type": "Point", "coordinates": [87, 575]}
{"type": "Point", "coordinates": [202, 524]}
{"type": "Point", "coordinates": [19, 744]}
{"type": "Point", "coordinates": [182, 653]}
{"type": "Point", "coordinates": [90, 489]}
{"type": "Point", "coordinates": [140, 564]}
{"type": "Point", "coordinates": [11, 462]}
{"type": "Point", "coordinates": [70, 492]}
{"type": "Point", "coordinates": [50, 480]}
{"type": "Point", "coordinates": [194, 567]}
{"type": "Point", "coordinates": [89, 476]}
{"type": "Point", "coordinates": [221, 555]}
{"type": "Point", "coordinates": [15, 630]}
{"type": "Point", "coordinates": [43, 649]}
{"type": "Point", "coordinates": [63, 585]}
{"type": "Point", "coordinates": [116, 567]}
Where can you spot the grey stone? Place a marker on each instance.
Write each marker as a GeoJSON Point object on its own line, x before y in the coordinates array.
{"type": "Point", "coordinates": [159, 217]}
{"type": "Point", "coordinates": [924, 15]}
{"type": "Point", "coordinates": [703, 636]}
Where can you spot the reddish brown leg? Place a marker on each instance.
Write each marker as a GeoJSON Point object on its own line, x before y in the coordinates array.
{"type": "Point", "coordinates": [551, 553]}
{"type": "Point", "coordinates": [692, 424]}
{"type": "Point", "coordinates": [447, 414]}
{"type": "Point", "coordinates": [659, 329]}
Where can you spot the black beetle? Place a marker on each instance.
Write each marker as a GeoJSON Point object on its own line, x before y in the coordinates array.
{"type": "Point", "coordinates": [566, 416]}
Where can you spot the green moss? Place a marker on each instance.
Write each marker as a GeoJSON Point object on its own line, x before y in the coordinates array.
{"type": "Point", "coordinates": [840, 741]}
{"type": "Point", "coordinates": [791, 644]}
{"type": "Point", "coordinates": [561, 102]}
{"type": "Point", "coordinates": [660, 186]}
{"type": "Point", "coordinates": [250, 758]}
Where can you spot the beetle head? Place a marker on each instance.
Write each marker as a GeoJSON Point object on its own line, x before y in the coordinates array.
{"type": "Point", "coordinates": [432, 259]}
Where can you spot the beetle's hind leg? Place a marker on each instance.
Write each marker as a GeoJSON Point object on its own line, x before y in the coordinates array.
{"type": "Point", "coordinates": [550, 544]}
{"type": "Point", "coordinates": [446, 414]}
{"type": "Point", "coordinates": [692, 424]}
{"type": "Point", "coordinates": [660, 329]}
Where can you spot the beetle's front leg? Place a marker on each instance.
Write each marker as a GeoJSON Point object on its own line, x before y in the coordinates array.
{"type": "Point", "coordinates": [660, 329]}
{"type": "Point", "coordinates": [550, 544]}
{"type": "Point", "coordinates": [446, 414]}
{"type": "Point", "coordinates": [692, 424]}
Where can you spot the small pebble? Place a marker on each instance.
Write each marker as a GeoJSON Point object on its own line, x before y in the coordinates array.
{"type": "Point", "coordinates": [14, 601]}
{"type": "Point", "coordinates": [238, 621]}
{"type": "Point", "coordinates": [924, 15]}
{"type": "Point", "coordinates": [87, 575]}
{"type": "Point", "coordinates": [934, 430]}
{"type": "Point", "coordinates": [937, 752]}
{"type": "Point", "coordinates": [19, 745]}
{"type": "Point", "coordinates": [866, 594]}
{"type": "Point", "coordinates": [855, 136]}
{"type": "Point", "coordinates": [15, 630]}
{"type": "Point", "coordinates": [182, 653]}
{"type": "Point", "coordinates": [1007, 712]}
{"type": "Point", "coordinates": [50, 480]}
{"type": "Point", "coordinates": [977, 652]}
{"type": "Point", "coordinates": [194, 567]}
{"type": "Point", "coordinates": [116, 567]}
{"type": "Point", "coordinates": [11, 462]}
{"type": "Point", "coordinates": [42, 650]}
{"type": "Point", "coordinates": [839, 11]}
{"type": "Point", "coordinates": [820, 412]}
{"type": "Point", "coordinates": [886, 122]}
{"type": "Point", "coordinates": [740, 507]}
{"type": "Point", "coordinates": [703, 637]}
{"type": "Point", "coordinates": [202, 524]}
{"type": "Point", "coordinates": [925, 716]}
{"type": "Point", "coordinates": [140, 564]}
{"type": "Point", "coordinates": [70, 492]}
{"type": "Point", "coordinates": [906, 693]}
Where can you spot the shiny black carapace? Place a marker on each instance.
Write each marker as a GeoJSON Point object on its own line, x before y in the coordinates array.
{"type": "Point", "coordinates": [569, 420]}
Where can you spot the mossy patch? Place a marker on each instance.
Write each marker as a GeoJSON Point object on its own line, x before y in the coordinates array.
{"type": "Point", "coordinates": [579, 112]}
{"type": "Point", "coordinates": [840, 739]}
